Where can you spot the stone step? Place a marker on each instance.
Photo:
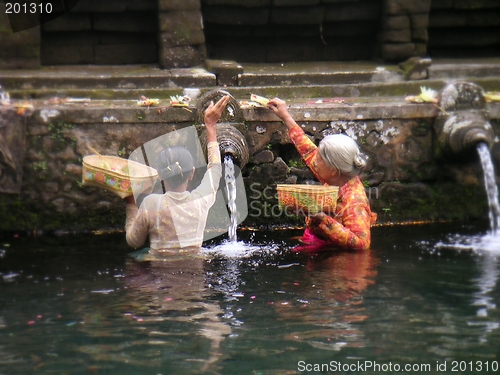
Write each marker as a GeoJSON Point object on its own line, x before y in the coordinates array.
{"type": "Point", "coordinates": [103, 78]}
{"type": "Point", "coordinates": [290, 80]}
{"type": "Point", "coordinates": [149, 77]}
{"type": "Point", "coordinates": [464, 68]}
{"type": "Point", "coordinates": [375, 90]}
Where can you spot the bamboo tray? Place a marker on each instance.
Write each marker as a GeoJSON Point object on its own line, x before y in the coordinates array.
{"type": "Point", "coordinates": [308, 199]}
{"type": "Point", "coordinates": [120, 176]}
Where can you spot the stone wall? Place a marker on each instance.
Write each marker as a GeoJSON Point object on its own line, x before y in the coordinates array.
{"type": "Point", "coordinates": [183, 33]}
{"type": "Point", "coordinates": [290, 30]}
{"type": "Point", "coordinates": [52, 194]}
{"type": "Point", "coordinates": [464, 28]}
{"type": "Point", "coordinates": [403, 31]}
{"type": "Point", "coordinates": [101, 32]}
{"type": "Point", "coordinates": [403, 178]}
{"type": "Point", "coordinates": [19, 50]}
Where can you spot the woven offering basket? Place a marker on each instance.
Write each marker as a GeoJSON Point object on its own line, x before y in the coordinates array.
{"type": "Point", "coordinates": [120, 176]}
{"type": "Point", "coordinates": [308, 199]}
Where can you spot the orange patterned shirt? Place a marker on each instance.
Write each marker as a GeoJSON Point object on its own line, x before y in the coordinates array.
{"type": "Point", "coordinates": [350, 226]}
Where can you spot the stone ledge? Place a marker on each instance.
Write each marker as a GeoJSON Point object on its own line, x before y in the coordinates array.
{"type": "Point", "coordinates": [128, 112]}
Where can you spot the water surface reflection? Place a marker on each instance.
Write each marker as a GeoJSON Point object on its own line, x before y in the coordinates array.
{"type": "Point", "coordinates": [81, 305]}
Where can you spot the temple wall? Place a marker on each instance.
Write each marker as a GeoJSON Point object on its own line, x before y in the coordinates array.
{"type": "Point", "coordinates": [404, 180]}
{"type": "Point", "coordinates": [179, 34]}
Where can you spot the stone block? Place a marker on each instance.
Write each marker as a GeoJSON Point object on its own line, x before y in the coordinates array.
{"type": "Point", "coordinates": [51, 187]}
{"type": "Point", "coordinates": [6, 40]}
{"type": "Point", "coordinates": [484, 18]}
{"type": "Point", "coordinates": [352, 11]}
{"type": "Point", "coordinates": [178, 5]}
{"type": "Point", "coordinates": [335, 29]}
{"type": "Point", "coordinates": [180, 38]}
{"type": "Point", "coordinates": [397, 51]}
{"type": "Point", "coordinates": [246, 3]}
{"type": "Point", "coordinates": [297, 15]}
{"type": "Point", "coordinates": [126, 54]}
{"type": "Point", "coordinates": [226, 72]}
{"type": "Point", "coordinates": [419, 35]}
{"type": "Point", "coordinates": [293, 3]}
{"type": "Point", "coordinates": [115, 37]}
{"type": "Point", "coordinates": [442, 4]}
{"type": "Point", "coordinates": [8, 52]}
{"type": "Point", "coordinates": [20, 63]}
{"type": "Point", "coordinates": [70, 38]}
{"type": "Point", "coordinates": [63, 55]}
{"type": "Point", "coordinates": [464, 37]}
{"type": "Point", "coordinates": [288, 30]}
{"type": "Point", "coordinates": [69, 22]}
{"type": "Point", "coordinates": [270, 173]}
{"type": "Point", "coordinates": [89, 6]}
{"type": "Point", "coordinates": [151, 5]}
{"type": "Point", "coordinates": [476, 4]}
{"type": "Point", "coordinates": [444, 19]}
{"type": "Point", "coordinates": [247, 50]}
{"type": "Point", "coordinates": [298, 49]}
{"type": "Point", "coordinates": [265, 156]}
{"type": "Point", "coordinates": [30, 36]}
{"type": "Point", "coordinates": [421, 49]}
{"type": "Point", "coordinates": [182, 56]}
{"type": "Point", "coordinates": [28, 51]}
{"type": "Point", "coordinates": [234, 30]}
{"type": "Point", "coordinates": [353, 49]}
{"type": "Point", "coordinates": [395, 22]}
{"type": "Point", "coordinates": [126, 21]}
{"type": "Point", "coordinates": [397, 7]}
{"type": "Point", "coordinates": [419, 21]}
{"type": "Point", "coordinates": [182, 23]}
{"type": "Point", "coordinates": [395, 36]}
{"type": "Point", "coordinates": [236, 15]}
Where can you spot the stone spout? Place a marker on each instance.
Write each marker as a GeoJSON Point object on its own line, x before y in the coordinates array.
{"type": "Point", "coordinates": [230, 128]}
{"type": "Point", "coordinates": [463, 121]}
{"type": "Point", "coordinates": [231, 142]}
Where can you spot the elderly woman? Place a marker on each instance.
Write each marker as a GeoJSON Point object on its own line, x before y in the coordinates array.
{"type": "Point", "coordinates": [337, 162]}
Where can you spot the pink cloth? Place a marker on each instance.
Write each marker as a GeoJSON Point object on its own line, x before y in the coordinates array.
{"type": "Point", "coordinates": [311, 243]}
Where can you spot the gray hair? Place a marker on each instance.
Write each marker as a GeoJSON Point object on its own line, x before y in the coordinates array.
{"type": "Point", "coordinates": [342, 152]}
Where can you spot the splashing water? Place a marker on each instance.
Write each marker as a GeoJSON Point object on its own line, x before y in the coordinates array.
{"type": "Point", "coordinates": [230, 178]}
{"type": "Point", "coordinates": [489, 242]}
{"type": "Point", "coordinates": [4, 96]}
{"type": "Point", "coordinates": [237, 249]}
{"type": "Point", "coordinates": [490, 186]}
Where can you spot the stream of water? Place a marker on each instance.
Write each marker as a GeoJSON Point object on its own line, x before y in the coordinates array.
{"type": "Point", "coordinates": [490, 186]}
{"type": "Point", "coordinates": [230, 178]}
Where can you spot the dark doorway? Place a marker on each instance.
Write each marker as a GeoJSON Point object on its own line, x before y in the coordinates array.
{"type": "Point", "coordinates": [291, 30]}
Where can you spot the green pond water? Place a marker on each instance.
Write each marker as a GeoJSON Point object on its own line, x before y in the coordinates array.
{"type": "Point", "coordinates": [423, 300]}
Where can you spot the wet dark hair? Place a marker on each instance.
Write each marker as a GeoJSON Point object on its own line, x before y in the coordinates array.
{"type": "Point", "coordinates": [175, 165]}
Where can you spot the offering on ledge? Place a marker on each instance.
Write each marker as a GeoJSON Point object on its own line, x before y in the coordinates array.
{"type": "Point", "coordinates": [259, 99]}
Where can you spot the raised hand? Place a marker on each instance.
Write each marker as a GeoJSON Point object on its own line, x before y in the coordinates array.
{"type": "Point", "coordinates": [212, 115]}
{"type": "Point", "coordinates": [214, 111]}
